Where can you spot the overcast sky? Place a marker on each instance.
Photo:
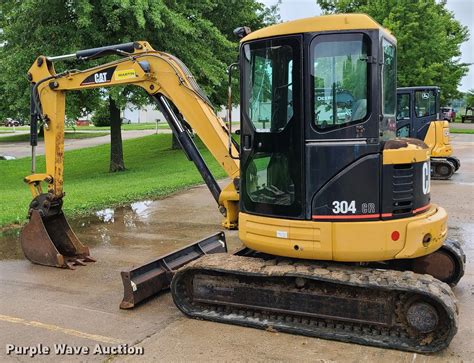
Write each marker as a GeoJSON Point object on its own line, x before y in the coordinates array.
{"type": "Point", "coordinates": [463, 11]}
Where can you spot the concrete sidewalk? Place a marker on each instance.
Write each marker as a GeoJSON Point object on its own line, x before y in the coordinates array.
{"type": "Point", "coordinates": [23, 149]}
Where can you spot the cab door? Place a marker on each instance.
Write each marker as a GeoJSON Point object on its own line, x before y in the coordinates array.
{"type": "Point", "coordinates": [404, 114]}
{"type": "Point", "coordinates": [343, 125]}
{"type": "Point", "coordinates": [271, 128]}
{"type": "Point", "coordinates": [425, 110]}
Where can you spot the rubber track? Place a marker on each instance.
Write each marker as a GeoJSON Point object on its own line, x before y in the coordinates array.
{"type": "Point", "coordinates": [455, 161]}
{"type": "Point", "coordinates": [457, 252]}
{"type": "Point", "coordinates": [440, 161]}
{"type": "Point", "coordinates": [403, 285]}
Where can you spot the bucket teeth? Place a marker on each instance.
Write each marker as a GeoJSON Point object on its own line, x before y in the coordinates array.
{"type": "Point", "coordinates": [79, 261]}
{"type": "Point", "coordinates": [73, 262]}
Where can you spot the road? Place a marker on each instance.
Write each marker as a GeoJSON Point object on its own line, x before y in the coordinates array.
{"type": "Point", "coordinates": [464, 126]}
{"type": "Point", "coordinates": [23, 149]}
{"type": "Point", "coordinates": [42, 305]}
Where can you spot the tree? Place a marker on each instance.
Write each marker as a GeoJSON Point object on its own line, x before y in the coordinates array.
{"type": "Point", "coordinates": [470, 98]}
{"type": "Point", "coordinates": [429, 39]}
{"type": "Point", "coordinates": [101, 116]}
{"type": "Point", "coordinates": [116, 150]}
{"type": "Point", "coordinates": [197, 32]}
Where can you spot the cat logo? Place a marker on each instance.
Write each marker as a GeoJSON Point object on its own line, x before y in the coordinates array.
{"type": "Point", "coordinates": [425, 182]}
{"type": "Point", "coordinates": [100, 77]}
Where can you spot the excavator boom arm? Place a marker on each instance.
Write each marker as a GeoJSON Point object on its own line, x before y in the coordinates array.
{"type": "Point", "coordinates": [165, 78]}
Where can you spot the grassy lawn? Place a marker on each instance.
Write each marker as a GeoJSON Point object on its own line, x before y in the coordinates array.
{"type": "Point", "coordinates": [141, 126]}
{"type": "Point", "coordinates": [10, 129]}
{"type": "Point", "coordinates": [153, 170]}
{"type": "Point", "coordinates": [125, 127]}
{"type": "Point", "coordinates": [461, 131]}
{"type": "Point", "coordinates": [69, 135]}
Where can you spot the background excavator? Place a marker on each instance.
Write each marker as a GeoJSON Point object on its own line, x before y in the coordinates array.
{"type": "Point", "coordinates": [341, 238]}
{"type": "Point", "coordinates": [418, 116]}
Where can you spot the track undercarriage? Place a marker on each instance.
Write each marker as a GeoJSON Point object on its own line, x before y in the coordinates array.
{"type": "Point", "coordinates": [444, 168]}
{"type": "Point", "coordinates": [371, 306]}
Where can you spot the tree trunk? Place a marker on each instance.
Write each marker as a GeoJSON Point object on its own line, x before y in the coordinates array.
{"type": "Point", "coordinates": [116, 151]}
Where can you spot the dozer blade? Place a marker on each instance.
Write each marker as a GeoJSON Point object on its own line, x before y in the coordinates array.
{"type": "Point", "coordinates": [149, 279]}
{"type": "Point", "coordinates": [50, 241]}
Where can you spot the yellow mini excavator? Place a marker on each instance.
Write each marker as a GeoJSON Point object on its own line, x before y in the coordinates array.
{"type": "Point", "coordinates": [341, 239]}
{"type": "Point", "coordinates": [418, 116]}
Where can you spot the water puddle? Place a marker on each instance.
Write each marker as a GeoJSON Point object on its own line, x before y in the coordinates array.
{"type": "Point", "coordinates": [127, 225]}
{"type": "Point", "coordinates": [137, 211]}
{"type": "Point", "coordinates": [114, 226]}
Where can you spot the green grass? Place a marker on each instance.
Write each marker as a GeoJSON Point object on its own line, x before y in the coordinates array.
{"type": "Point", "coordinates": [141, 126]}
{"type": "Point", "coordinates": [147, 126]}
{"type": "Point", "coordinates": [69, 135]}
{"type": "Point", "coordinates": [84, 135]}
{"type": "Point", "coordinates": [461, 131]}
{"type": "Point", "coordinates": [153, 170]}
{"type": "Point", "coordinates": [125, 127]}
{"type": "Point", "coordinates": [23, 128]}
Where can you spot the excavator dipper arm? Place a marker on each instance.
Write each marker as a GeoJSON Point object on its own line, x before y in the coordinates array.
{"type": "Point", "coordinates": [167, 80]}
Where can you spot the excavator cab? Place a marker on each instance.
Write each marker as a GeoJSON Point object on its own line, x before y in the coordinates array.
{"type": "Point", "coordinates": [417, 107]}
{"type": "Point", "coordinates": [317, 108]}
{"type": "Point", "coordinates": [418, 116]}
{"type": "Point", "coordinates": [300, 107]}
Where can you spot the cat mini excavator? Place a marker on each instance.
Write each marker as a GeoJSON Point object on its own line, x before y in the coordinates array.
{"type": "Point", "coordinates": [418, 116]}
{"type": "Point", "coordinates": [342, 241]}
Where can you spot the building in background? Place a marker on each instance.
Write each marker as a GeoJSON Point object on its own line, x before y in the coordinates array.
{"type": "Point", "coordinates": [149, 114]}
{"type": "Point", "coordinates": [146, 114]}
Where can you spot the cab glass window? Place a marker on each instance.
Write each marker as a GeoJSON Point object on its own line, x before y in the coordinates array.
{"type": "Point", "coordinates": [268, 179]}
{"type": "Point", "coordinates": [425, 103]}
{"type": "Point", "coordinates": [404, 131]}
{"type": "Point", "coordinates": [403, 106]}
{"type": "Point", "coordinates": [389, 78]}
{"type": "Point", "coordinates": [339, 76]}
{"type": "Point", "coordinates": [270, 84]}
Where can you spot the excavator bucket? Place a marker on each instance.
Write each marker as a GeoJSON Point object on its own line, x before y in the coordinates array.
{"type": "Point", "coordinates": [50, 241]}
{"type": "Point", "coordinates": [144, 281]}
